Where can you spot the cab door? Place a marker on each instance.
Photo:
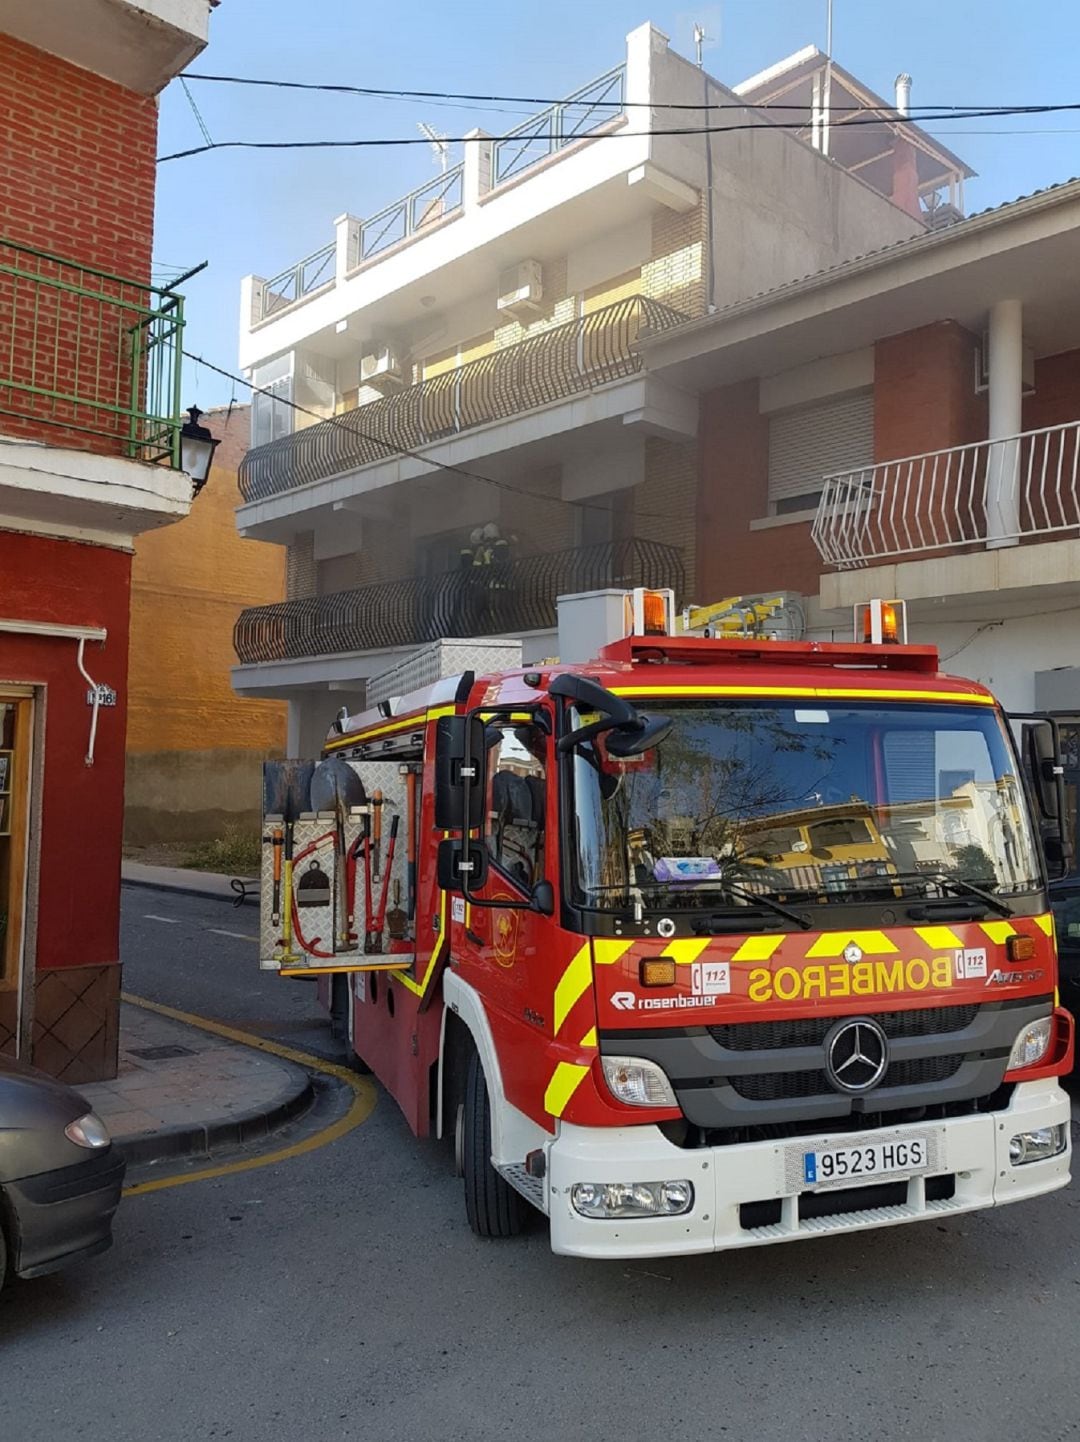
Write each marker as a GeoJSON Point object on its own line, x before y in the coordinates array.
{"type": "Point", "coordinates": [508, 949]}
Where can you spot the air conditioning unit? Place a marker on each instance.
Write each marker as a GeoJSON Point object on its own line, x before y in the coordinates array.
{"type": "Point", "coordinates": [982, 368]}
{"type": "Point", "coordinates": [521, 289]}
{"type": "Point", "coordinates": [382, 370]}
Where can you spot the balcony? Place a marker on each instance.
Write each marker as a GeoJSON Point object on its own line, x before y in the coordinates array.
{"type": "Point", "coordinates": [92, 360]}
{"type": "Point", "coordinates": [991, 494]}
{"type": "Point", "coordinates": [515, 598]}
{"type": "Point", "coordinates": [591, 108]}
{"type": "Point", "coordinates": [555, 365]}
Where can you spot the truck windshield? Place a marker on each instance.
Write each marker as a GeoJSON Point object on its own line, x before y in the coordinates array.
{"type": "Point", "coordinates": [810, 802]}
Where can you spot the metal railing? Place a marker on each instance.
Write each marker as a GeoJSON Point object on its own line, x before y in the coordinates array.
{"type": "Point", "coordinates": [563, 361]}
{"type": "Point", "coordinates": [517, 596]}
{"type": "Point", "coordinates": [299, 281]}
{"type": "Point", "coordinates": [434, 200]}
{"type": "Point", "coordinates": [1000, 490]}
{"type": "Point", "coordinates": [89, 355]}
{"type": "Point", "coordinates": [560, 125]}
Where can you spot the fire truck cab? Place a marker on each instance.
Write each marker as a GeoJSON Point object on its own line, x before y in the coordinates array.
{"type": "Point", "coordinates": [706, 943]}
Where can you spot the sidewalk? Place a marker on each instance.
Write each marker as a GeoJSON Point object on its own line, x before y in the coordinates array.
{"type": "Point", "coordinates": [195, 883]}
{"type": "Point", "coordinates": [183, 1092]}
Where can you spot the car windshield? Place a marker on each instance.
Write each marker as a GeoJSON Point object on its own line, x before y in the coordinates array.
{"type": "Point", "coordinates": [808, 801]}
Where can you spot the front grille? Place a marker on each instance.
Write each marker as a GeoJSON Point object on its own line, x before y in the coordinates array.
{"type": "Point", "coordinates": [812, 1030]}
{"type": "Point", "coordinates": [782, 1085]}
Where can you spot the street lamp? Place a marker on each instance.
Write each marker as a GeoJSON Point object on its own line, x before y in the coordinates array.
{"type": "Point", "coordinates": [197, 447]}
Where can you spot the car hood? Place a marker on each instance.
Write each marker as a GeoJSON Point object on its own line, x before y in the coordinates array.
{"type": "Point", "coordinates": [34, 1110]}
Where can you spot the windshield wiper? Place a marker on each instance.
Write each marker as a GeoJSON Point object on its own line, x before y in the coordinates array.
{"type": "Point", "coordinates": [756, 900]}
{"type": "Point", "coordinates": [960, 885]}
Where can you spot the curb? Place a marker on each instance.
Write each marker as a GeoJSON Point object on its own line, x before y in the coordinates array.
{"type": "Point", "coordinates": [198, 1139]}
{"type": "Point", "coordinates": [192, 889]}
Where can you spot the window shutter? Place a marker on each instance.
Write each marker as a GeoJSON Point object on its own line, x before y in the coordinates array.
{"type": "Point", "coordinates": [808, 444]}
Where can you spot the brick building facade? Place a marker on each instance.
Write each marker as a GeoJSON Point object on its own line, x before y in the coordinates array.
{"type": "Point", "coordinates": [89, 458]}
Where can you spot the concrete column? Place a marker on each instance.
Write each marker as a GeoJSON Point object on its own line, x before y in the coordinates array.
{"type": "Point", "coordinates": [477, 179]}
{"type": "Point", "coordinates": [292, 727]}
{"type": "Point", "coordinates": [347, 237]}
{"type": "Point", "coordinates": [1005, 422]}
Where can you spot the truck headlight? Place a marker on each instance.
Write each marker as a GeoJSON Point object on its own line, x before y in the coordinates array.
{"type": "Point", "coordinates": [1031, 1045]}
{"type": "Point", "coordinates": [1037, 1146]}
{"type": "Point", "coordinates": [609, 1200]}
{"type": "Point", "coordinates": [637, 1082]}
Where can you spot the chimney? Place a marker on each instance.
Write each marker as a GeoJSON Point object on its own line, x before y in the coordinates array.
{"type": "Point", "coordinates": [905, 177]}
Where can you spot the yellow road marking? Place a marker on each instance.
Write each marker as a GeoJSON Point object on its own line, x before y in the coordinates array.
{"type": "Point", "coordinates": [363, 1102]}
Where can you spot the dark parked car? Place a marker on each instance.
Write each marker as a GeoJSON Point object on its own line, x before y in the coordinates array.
{"type": "Point", "coordinates": [60, 1175]}
{"type": "Point", "coordinates": [1065, 900]}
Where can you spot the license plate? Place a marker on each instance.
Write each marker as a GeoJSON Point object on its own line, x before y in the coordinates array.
{"type": "Point", "coordinates": [840, 1164]}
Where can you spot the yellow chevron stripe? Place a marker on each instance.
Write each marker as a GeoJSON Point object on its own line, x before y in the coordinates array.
{"type": "Point", "coordinates": [939, 938]}
{"type": "Point", "coordinates": [572, 986]}
{"type": "Point", "coordinates": [759, 948]}
{"type": "Point", "coordinates": [565, 1080]}
{"type": "Point", "coordinates": [607, 952]}
{"type": "Point", "coordinates": [998, 931]}
{"type": "Point", "coordinates": [1045, 923]}
{"type": "Point", "coordinates": [589, 1039]}
{"type": "Point", "coordinates": [870, 943]}
{"type": "Point", "coordinates": [682, 953]}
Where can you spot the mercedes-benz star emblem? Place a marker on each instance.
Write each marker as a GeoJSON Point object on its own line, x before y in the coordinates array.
{"type": "Point", "coordinates": [856, 1055]}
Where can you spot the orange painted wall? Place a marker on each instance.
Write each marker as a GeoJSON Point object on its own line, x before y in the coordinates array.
{"type": "Point", "coordinates": [190, 581]}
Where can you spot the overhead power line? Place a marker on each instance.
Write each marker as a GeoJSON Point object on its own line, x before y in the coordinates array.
{"type": "Point", "coordinates": [380, 142]}
{"type": "Point", "coordinates": [196, 112]}
{"type": "Point", "coordinates": [394, 452]}
{"type": "Point", "coordinates": [386, 93]}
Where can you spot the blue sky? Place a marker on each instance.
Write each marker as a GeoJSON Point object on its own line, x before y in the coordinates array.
{"type": "Point", "coordinates": [250, 211]}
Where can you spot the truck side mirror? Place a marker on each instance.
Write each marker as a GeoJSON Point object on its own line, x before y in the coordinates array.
{"type": "Point", "coordinates": [460, 761]}
{"type": "Point", "coordinates": [543, 898]}
{"type": "Point", "coordinates": [461, 865]}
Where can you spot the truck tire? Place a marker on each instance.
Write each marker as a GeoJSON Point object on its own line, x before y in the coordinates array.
{"type": "Point", "coordinates": [493, 1207]}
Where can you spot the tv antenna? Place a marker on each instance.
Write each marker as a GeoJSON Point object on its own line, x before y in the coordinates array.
{"type": "Point", "coordinates": [440, 146]}
{"type": "Point", "coordinates": [699, 42]}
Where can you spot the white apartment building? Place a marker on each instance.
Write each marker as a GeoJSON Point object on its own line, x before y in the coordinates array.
{"type": "Point", "coordinates": [468, 356]}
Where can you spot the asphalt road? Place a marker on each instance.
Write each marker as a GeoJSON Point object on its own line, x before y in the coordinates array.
{"type": "Point", "coordinates": [341, 1295]}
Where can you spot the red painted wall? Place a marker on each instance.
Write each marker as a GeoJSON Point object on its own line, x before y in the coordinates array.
{"type": "Point", "coordinates": [77, 178]}
{"type": "Point", "coordinates": [82, 807]}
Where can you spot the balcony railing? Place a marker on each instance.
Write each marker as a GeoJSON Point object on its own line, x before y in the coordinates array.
{"type": "Point", "coordinates": [589, 108]}
{"type": "Point", "coordinates": [93, 358]}
{"type": "Point", "coordinates": [992, 491]}
{"type": "Point", "coordinates": [515, 597]}
{"type": "Point", "coordinates": [435, 200]}
{"type": "Point", "coordinates": [550, 366]}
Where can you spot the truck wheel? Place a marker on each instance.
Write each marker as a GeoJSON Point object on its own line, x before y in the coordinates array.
{"type": "Point", "coordinates": [493, 1207]}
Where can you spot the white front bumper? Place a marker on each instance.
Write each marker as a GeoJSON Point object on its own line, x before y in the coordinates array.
{"type": "Point", "coordinates": [973, 1149]}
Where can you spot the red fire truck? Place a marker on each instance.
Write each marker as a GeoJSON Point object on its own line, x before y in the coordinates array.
{"type": "Point", "coordinates": [705, 943]}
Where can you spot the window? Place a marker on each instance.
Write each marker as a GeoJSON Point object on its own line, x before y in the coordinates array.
{"type": "Point", "coordinates": [813, 442]}
{"type": "Point", "coordinates": [271, 411]}
{"type": "Point", "coordinates": [517, 799]}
